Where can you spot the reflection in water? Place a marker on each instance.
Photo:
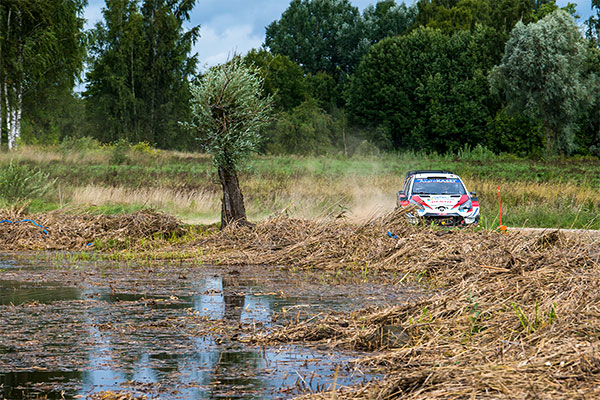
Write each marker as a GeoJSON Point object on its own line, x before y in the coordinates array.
{"type": "Point", "coordinates": [227, 373]}
{"type": "Point", "coordinates": [8, 264]}
{"type": "Point", "coordinates": [257, 309]}
{"type": "Point", "coordinates": [209, 303]}
{"type": "Point", "coordinates": [19, 385]}
{"type": "Point", "coordinates": [17, 293]}
{"type": "Point", "coordinates": [234, 300]}
{"type": "Point", "coordinates": [125, 343]}
{"type": "Point", "coordinates": [99, 374]}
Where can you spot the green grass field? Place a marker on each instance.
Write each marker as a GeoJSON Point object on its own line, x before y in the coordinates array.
{"type": "Point", "coordinates": [561, 193]}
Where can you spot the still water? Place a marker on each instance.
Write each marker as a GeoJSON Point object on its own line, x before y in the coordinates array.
{"type": "Point", "coordinates": [71, 332]}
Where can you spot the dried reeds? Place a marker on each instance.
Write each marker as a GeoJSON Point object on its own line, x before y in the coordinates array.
{"type": "Point", "coordinates": [308, 243]}
{"type": "Point", "coordinates": [73, 232]}
{"type": "Point", "coordinates": [108, 395]}
{"type": "Point", "coordinates": [509, 316]}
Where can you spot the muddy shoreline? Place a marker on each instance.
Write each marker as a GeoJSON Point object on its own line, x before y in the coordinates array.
{"type": "Point", "coordinates": [168, 331]}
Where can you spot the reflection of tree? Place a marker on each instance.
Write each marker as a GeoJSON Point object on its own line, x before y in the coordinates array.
{"type": "Point", "coordinates": [234, 301]}
{"type": "Point", "coordinates": [135, 344]}
{"type": "Point", "coordinates": [132, 344]}
{"type": "Point", "coordinates": [12, 384]}
{"type": "Point", "coordinates": [101, 370]}
{"type": "Point", "coordinates": [237, 369]}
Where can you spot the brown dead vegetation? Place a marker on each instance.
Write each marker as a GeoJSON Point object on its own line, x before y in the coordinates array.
{"type": "Point", "coordinates": [510, 316]}
{"type": "Point", "coordinates": [309, 243]}
{"type": "Point", "coordinates": [108, 395]}
{"type": "Point", "coordinates": [75, 232]}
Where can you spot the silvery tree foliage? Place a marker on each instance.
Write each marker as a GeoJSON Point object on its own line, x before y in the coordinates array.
{"type": "Point", "coordinates": [228, 112]}
{"type": "Point", "coordinates": [542, 75]}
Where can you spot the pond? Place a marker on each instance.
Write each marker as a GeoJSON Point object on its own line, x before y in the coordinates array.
{"type": "Point", "coordinates": [167, 331]}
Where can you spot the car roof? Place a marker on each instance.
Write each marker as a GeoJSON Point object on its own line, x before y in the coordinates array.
{"type": "Point", "coordinates": [429, 172]}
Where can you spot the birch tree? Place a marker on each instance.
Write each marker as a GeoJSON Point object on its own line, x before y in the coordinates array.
{"type": "Point", "coordinates": [41, 46]}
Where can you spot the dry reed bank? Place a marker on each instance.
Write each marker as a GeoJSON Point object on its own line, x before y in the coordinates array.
{"type": "Point", "coordinates": [506, 316]}
{"type": "Point", "coordinates": [510, 316]}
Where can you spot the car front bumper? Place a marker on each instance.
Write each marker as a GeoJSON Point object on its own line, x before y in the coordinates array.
{"type": "Point", "coordinates": [446, 219]}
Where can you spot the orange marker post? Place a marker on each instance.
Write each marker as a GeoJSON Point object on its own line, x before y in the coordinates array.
{"type": "Point", "coordinates": [501, 227]}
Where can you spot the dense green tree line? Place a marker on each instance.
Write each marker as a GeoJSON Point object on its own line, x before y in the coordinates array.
{"type": "Point", "coordinates": [438, 75]}
{"type": "Point", "coordinates": [425, 90]}
{"type": "Point", "coordinates": [428, 85]}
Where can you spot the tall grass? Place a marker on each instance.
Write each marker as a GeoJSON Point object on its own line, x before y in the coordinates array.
{"type": "Point", "coordinates": [555, 193]}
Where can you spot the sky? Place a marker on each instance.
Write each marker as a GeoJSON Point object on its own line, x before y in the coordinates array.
{"type": "Point", "coordinates": [228, 26]}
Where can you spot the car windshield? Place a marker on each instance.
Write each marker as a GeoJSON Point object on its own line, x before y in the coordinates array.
{"type": "Point", "coordinates": [438, 186]}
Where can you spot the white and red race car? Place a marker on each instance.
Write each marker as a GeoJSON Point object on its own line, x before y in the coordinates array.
{"type": "Point", "coordinates": [440, 197]}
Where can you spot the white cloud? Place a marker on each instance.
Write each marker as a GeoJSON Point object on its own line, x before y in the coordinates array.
{"type": "Point", "coordinates": [216, 46]}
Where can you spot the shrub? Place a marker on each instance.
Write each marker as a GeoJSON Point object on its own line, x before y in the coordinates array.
{"type": "Point", "coordinates": [478, 153]}
{"type": "Point", "coordinates": [83, 144]}
{"type": "Point", "coordinates": [19, 182]}
{"type": "Point", "coordinates": [119, 152]}
{"type": "Point", "coordinates": [144, 148]}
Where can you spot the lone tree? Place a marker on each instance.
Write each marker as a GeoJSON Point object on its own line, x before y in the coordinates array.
{"type": "Point", "coordinates": [228, 113]}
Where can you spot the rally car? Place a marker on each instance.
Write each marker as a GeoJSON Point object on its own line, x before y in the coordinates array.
{"type": "Point", "coordinates": [440, 197]}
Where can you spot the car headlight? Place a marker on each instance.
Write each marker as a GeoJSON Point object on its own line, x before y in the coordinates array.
{"type": "Point", "coordinates": [466, 206]}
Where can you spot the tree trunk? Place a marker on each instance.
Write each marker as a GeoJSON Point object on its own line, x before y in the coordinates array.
{"type": "Point", "coordinates": [18, 87]}
{"type": "Point", "coordinates": [18, 111]}
{"type": "Point", "coordinates": [13, 115]}
{"type": "Point", "coordinates": [12, 131]}
{"type": "Point", "coordinates": [1, 91]}
{"type": "Point", "coordinates": [9, 113]}
{"type": "Point", "coordinates": [13, 93]}
{"type": "Point", "coordinates": [4, 78]}
{"type": "Point", "coordinates": [232, 208]}
{"type": "Point", "coordinates": [1, 105]}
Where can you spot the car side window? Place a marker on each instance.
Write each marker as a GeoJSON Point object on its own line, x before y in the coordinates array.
{"type": "Point", "coordinates": [407, 185]}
